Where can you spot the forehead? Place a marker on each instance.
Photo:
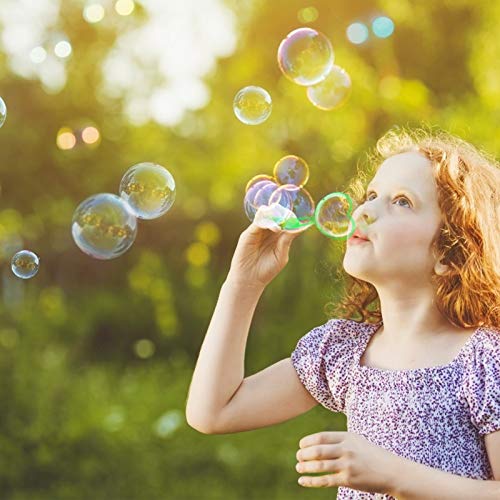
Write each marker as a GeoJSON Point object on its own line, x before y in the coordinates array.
{"type": "Point", "coordinates": [410, 169]}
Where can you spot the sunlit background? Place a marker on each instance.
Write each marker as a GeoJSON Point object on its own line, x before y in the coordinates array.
{"type": "Point", "coordinates": [96, 356]}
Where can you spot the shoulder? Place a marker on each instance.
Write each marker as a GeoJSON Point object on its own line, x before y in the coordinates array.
{"type": "Point", "coordinates": [335, 336]}
{"type": "Point", "coordinates": [486, 346]}
{"type": "Point", "coordinates": [481, 382]}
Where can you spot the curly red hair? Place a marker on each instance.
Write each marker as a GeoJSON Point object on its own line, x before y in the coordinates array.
{"type": "Point", "coordinates": [468, 240]}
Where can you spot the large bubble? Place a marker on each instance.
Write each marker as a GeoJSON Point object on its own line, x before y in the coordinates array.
{"type": "Point", "coordinates": [305, 56]}
{"type": "Point", "coordinates": [291, 169]}
{"type": "Point", "coordinates": [25, 264]}
{"type": "Point", "coordinates": [3, 111]}
{"type": "Point", "coordinates": [149, 190]}
{"type": "Point", "coordinates": [104, 226]}
{"type": "Point", "coordinates": [258, 178]}
{"type": "Point", "coordinates": [333, 91]}
{"type": "Point", "coordinates": [333, 216]}
{"type": "Point", "coordinates": [297, 199]}
{"type": "Point", "coordinates": [252, 105]}
{"type": "Point", "coordinates": [254, 199]}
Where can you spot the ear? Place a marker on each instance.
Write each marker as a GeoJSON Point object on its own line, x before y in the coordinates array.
{"type": "Point", "coordinates": [441, 269]}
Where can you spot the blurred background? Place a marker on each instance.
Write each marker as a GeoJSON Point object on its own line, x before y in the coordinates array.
{"type": "Point", "coordinates": [96, 356]}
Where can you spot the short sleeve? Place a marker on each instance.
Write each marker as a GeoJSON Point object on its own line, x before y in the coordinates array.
{"type": "Point", "coordinates": [321, 359]}
{"type": "Point", "coordinates": [482, 383]}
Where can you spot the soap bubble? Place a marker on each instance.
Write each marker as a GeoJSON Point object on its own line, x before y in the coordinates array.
{"type": "Point", "coordinates": [252, 105]}
{"type": "Point", "coordinates": [305, 56]}
{"type": "Point", "coordinates": [3, 111]}
{"type": "Point", "coordinates": [295, 198]}
{"type": "Point", "coordinates": [104, 226]}
{"type": "Point", "coordinates": [149, 190]}
{"type": "Point", "coordinates": [25, 264]}
{"type": "Point", "coordinates": [333, 215]}
{"type": "Point", "coordinates": [249, 203]}
{"type": "Point", "coordinates": [258, 178]}
{"type": "Point", "coordinates": [291, 169]}
{"type": "Point", "coordinates": [333, 91]}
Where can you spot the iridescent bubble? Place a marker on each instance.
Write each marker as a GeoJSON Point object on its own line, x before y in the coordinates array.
{"type": "Point", "coordinates": [149, 190]}
{"type": "Point", "coordinates": [3, 111]}
{"type": "Point", "coordinates": [25, 264]}
{"type": "Point", "coordinates": [291, 169]}
{"type": "Point", "coordinates": [299, 201]}
{"type": "Point", "coordinates": [258, 178]}
{"type": "Point", "coordinates": [252, 105]}
{"type": "Point", "coordinates": [333, 216]}
{"type": "Point", "coordinates": [104, 226]}
{"type": "Point", "coordinates": [249, 203]}
{"type": "Point", "coordinates": [305, 56]}
{"type": "Point", "coordinates": [333, 91]}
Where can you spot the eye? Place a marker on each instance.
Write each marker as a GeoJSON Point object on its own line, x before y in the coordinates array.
{"type": "Point", "coordinates": [367, 196]}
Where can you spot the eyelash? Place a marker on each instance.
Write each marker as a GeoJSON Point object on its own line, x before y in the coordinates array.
{"type": "Point", "coordinates": [367, 195]}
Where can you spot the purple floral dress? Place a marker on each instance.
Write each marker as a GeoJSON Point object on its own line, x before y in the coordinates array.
{"type": "Point", "coordinates": [436, 416]}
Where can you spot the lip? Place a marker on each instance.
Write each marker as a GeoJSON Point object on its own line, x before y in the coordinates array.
{"type": "Point", "coordinates": [355, 240]}
{"type": "Point", "coordinates": [357, 237]}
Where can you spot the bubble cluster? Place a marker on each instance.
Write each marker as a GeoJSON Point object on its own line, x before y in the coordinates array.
{"type": "Point", "coordinates": [3, 112]}
{"type": "Point", "coordinates": [282, 198]}
{"type": "Point", "coordinates": [25, 264]}
{"type": "Point", "coordinates": [149, 190]}
{"type": "Point", "coordinates": [104, 226]}
{"type": "Point", "coordinates": [333, 91]}
{"type": "Point", "coordinates": [305, 56]}
{"type": "Point", "coordinates": [252, 105]}
{"type": "Point", "coordinates": [275, 205]}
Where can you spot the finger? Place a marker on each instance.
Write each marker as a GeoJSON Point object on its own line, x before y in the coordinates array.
{"type": "Point", "coordinates": [318, 452]}
{"type": "Point", "coordinates": [325, 481]}
{"type": "Point", "coordinates": [313, 466]}
{"type": "Point", "coordinates": [322, 437]}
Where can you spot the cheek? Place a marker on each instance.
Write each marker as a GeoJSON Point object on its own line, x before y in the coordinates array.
{"type": "Point", "coordinates": [407, 236]}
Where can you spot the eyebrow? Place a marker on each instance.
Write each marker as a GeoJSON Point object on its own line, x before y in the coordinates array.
{"type": "Point", "coordinates": [372, 187]}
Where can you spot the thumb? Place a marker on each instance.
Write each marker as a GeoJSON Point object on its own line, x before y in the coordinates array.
{"type": "Point", "coordinates": [285, 240]}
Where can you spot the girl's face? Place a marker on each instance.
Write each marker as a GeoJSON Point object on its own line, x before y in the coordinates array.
{"type": "Point", "coordinates": [403, 216]}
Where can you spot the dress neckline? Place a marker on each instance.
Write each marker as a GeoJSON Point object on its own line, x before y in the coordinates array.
{"type": "Point", "coordinates": [374, 327]}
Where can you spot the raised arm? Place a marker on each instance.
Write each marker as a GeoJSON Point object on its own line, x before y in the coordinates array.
{"type": "Point", "coordinates": [220, 399]}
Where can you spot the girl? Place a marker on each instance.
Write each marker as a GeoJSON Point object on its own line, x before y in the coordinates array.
{"type": "Point", "coordinates": [417, 373]}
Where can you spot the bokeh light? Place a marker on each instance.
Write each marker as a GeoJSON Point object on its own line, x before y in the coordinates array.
{"type": "Point", "coordinates": [357, 33]}
{"type": "Point", "coordinates": [307, 14]}
{"type": "Point", "coordinates": [38, 55]}
{"type": "Point", "coordinates": [383, 27]}
{"type": "Point", "coordinates": [62, 49]}
{"type": "Point", "coordinates": [252, 105]}
{"type": "Point", "coordinates": [144, 348]}
{"type": "Point", "coordinates": [90, 135]}
{"type": "Point", "coordinates": [93, 13]}
{"type": "Point", "coordinates": [65, 139]}
{"type": "Point", "coordinates": [124, 7]}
